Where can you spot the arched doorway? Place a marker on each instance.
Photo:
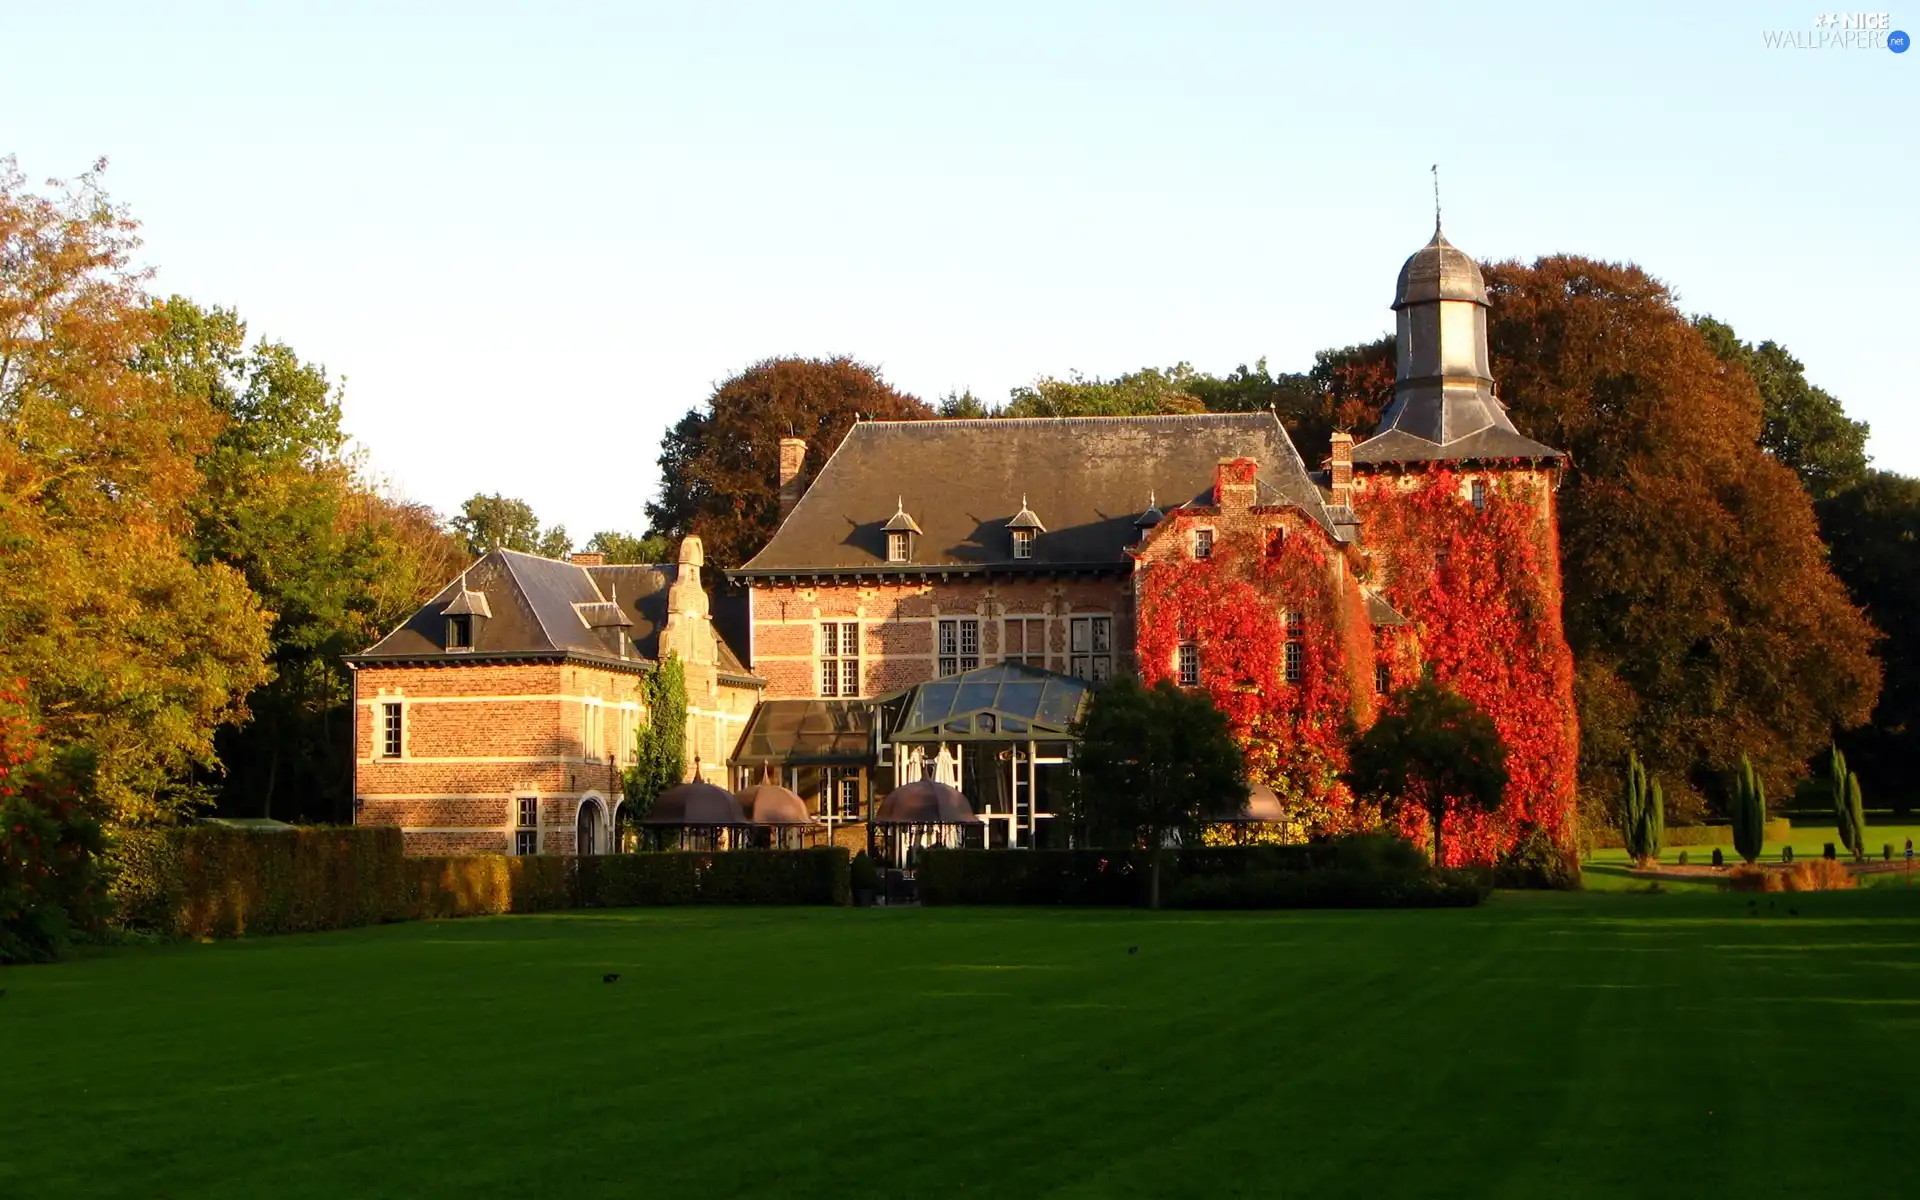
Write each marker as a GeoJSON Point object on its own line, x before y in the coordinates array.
{"type": "Point", "coordinates": [590, 827]}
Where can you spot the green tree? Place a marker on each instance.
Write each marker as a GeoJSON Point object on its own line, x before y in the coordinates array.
{"type": "Point", "coordinates": [1849, 812]}
{"type": "Point", "coordinates": [496, 522]}
{"type": "Point", "coordinates": [962, 404]}
{"type": "Point", "coordinates": [1873, 533]}
{"type": "Point", "coordinates": [627, 548]}
{"type": "Point", "coordinates": [660, 749]}
{"type": "Point", "coordinates": [1145, 392]}
{"type": "Point", "coordinates": [1643, 813]}
{"type": "Point", "coordinates": [1699, 602]}
{"type": "Point", "coordinates": [1802, 426]}
{"type": "Point", "coordinates": [719, 464]}
{"type": "Point", "coordinates": [1153, 764]}
{"type": "Point", "coordinates": [1434, 749]}
{"type": "Point", "coordinates": [1749, 812]}
{"type": "Point", "coordinates": [135, 649]}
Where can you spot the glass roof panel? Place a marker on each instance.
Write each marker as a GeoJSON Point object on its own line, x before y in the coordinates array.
{"type": "Point", "coordinates": [1022, 699]}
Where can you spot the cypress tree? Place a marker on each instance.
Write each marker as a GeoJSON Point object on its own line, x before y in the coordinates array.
{"type": "Point", "coordinates": [1633, 808]}
{"type": "Point", "coordinates": [1856, 816]}
{"type": "Point", "coordinates": [1656, 835]}
{"type": "Point", "coordinates": [1749, 812]}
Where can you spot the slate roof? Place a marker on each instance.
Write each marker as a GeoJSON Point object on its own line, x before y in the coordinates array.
{"type": "Point", "coordinates": [1499, 440]}
{"type": "Point", "coordinates": [543, 607]}
{"type": "Point", "coordinates": [1087, 479]}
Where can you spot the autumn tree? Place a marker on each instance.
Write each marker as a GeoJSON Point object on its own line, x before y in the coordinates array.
{"type": "Point", "coordinates": [1873, 533]}
{"type": "Point", "coordinates": [1802, 426]}
{"type": "Point", "coordinates": [1701, 610]}
{"type": "Point", "coordinates": [132, 648]}
{"type": "Point", "coordinates": [719, 464]}
{"type": "Point", "coordinates": [497, 522]}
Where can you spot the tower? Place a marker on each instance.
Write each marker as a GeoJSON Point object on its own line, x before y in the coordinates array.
{"type": "Point", "coordinates": [1457, 515]}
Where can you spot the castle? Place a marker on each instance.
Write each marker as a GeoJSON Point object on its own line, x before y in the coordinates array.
{"type": "Point", "coordinates": [941, 598]}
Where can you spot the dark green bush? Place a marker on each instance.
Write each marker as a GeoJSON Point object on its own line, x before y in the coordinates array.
{"type": "Point", "coordinates": [50, 844]}
{"type": "Point", "coordinates": [866, 876]}
{"type": "Point", "coordinates": [1364, 867]}
{"type": "Point", "coordinates": [1536, 863]}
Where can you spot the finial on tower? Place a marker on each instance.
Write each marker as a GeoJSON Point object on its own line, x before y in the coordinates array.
{"type": "Point", "coordinates": [1435, 168]}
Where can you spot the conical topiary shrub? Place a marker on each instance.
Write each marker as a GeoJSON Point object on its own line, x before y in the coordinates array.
{"type": "Point", "coordinates": [1749, 812]}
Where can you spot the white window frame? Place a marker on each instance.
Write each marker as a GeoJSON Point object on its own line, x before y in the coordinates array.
{"type": "Point", "coordinates": [897, 546]}
{"type": "Point", "coordinates": [593, 731]}
{"type": "Point", "coordinates": [839, 674]}
{"type": "Point", "coordinates": [1090, 646]}
{"type": "Point", "coordinates": [1023, 543]}
{"type": "Point", "coordinates": [392, 739]}
{"type": "Point", "coordinates": [952, 637]}
{"type": "Point", "coordinates": [1203, 542]}
{"type": "Point", "coordinates": [461, 621]}
{"type": "Point", "coordinates": [1186, 664]}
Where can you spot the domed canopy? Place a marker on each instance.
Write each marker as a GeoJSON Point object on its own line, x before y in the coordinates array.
{"type": "Point", "coordinates": [697, 803]}
{"type": "Point", "coordinates": [924, 802]}
{"type": "Point", "coordinates": [1262, 807]}
{"type": "Point", "coordinates": [1439, 271]}
{"type": "Point", "coordinates": [768, 803]}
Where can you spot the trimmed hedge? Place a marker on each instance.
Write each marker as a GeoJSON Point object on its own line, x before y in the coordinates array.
{"type": "Point", "coordinates": [208, 881]}
{"type": "Point", "coordinates": [1780, 829]}
{"type": "Point", "coordinates": [1363, 871]}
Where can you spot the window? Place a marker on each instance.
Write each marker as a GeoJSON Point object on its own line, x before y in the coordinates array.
{"type": "Point", "coordinates": [591, 731]}
{"type": "Point", "coordinates": [1203, 543]}
{"type": "Point", "coordinates": [391, 730]}
{"type": "Point", "coordinates": [959, 646]}
{"type": "Point", "coordinates": [629, 730]}
{"type": "Point", "coordinates": [1188, 663]}
{"type": "Point", "coordinates": [1090, 648]}
{"type": "Point", "coordinates": [840, 658]}
{"type": "Point", "coordinates": [1023, 543]}
{"type": "Point", "coordinates": [526, 831]}
{"type": "Point", "coordinates": [850, 797]}
{"type": "Point", "coordinates": [1382, 678]}
{"type": "Point", "coordinates": [1479, 495]}
{"type": "Point", "coordinates": [1294, 655]}
{"type": "Point", "coordinates": [897, 546]}
{"type": "Point", "coordinates": [460, 632]}
{"type": "Point", "coordinates": [1026, 641]}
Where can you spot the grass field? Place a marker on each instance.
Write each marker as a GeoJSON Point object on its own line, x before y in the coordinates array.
{"type": "Point", "coordinates": [1545, 1045]}
{"type": "Point", "coordinates": [1609, 870]}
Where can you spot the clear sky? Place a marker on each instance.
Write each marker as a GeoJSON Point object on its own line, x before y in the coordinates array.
{"type": "Point", "coordinates": [530, 236]}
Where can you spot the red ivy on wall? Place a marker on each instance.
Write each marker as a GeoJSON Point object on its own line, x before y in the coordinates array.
{"type": "Point", "coordinates": [1482, 589]}
{"type": "Point", "coordinates": [1233, 606]}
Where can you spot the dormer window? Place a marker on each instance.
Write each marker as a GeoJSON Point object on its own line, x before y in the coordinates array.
{"type": "Point", "coordinates": [1203, 543]}
{"type": "Point", "coordinates": [1025, 525]}
{"type": "Point", "coordinates": [900, 530]}
{"type": "Point", "coordinates": [460, 632]}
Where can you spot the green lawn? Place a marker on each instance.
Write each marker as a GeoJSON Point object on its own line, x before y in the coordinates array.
{"type": "Point", "coordinates": [1609, 870]}
{"type": "Point", "coordinates": [1542, 1046]}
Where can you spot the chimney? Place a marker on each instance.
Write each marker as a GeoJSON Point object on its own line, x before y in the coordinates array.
{"type": "Point", "coordinates": [1340, 470]}
{"type": "Point", "coordinates": [793, 460]}
{"type": "Point", "coordinates": [582, 559]}
{"type": "Point", "coordinates": [1233, 485]}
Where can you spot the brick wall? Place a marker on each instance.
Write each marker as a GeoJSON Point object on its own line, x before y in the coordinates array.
{"type": "Point", "coordinates": [899, 625]}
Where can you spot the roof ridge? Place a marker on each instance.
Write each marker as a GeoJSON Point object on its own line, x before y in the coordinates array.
{"type": "Point", "coordinates": [1014, 422]}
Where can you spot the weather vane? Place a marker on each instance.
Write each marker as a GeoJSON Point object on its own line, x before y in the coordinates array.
{"type": "Point", "coordinates": [1435, 168]}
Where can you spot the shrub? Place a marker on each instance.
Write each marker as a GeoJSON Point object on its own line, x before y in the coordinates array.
{"type": "Point", "coordinates": [211, 881]}
{"type": "Point", "coordinates": [865, 876]}
{"type": "Point", "coordinates": [1643, 813]}
{"type": "Point", "coordinates": [1536, 862]}
{"type": "Point", "coordinates": [1683, 858]}
{"type": "Point", "coordinates": [1749, 812]}
{"type": "Point", "coordinates": [50, 845]}
{"type": "Point", "coordinates": [1808, 875]}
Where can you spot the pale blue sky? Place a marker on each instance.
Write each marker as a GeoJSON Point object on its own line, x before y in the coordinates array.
{"type": "Point", "coordinates": [532, 235]}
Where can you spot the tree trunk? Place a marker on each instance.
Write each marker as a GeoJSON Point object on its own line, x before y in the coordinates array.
{"type": "Point", "coordinates": [273, 770]}
{"type": "Point", "coordinates": [1439, 858]}
{"type": "Point", "coordinates": [1153, 886]}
